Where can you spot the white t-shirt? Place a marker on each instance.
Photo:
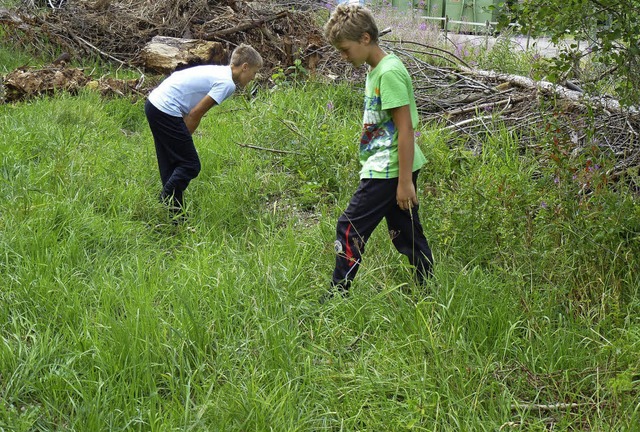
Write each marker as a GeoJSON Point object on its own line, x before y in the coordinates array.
{"type": "Point", "coordinates": [182, 90]}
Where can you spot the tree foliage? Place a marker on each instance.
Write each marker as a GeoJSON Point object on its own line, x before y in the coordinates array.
{"type": "Point", "coordinates": [610, 27]}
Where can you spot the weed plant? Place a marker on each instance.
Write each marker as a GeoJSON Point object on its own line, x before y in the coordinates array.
{"type": "Point", "coordinates": [112, 318]}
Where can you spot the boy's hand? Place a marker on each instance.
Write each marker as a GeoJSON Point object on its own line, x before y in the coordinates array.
{"type": "Point", "coordinates": [406, 195]}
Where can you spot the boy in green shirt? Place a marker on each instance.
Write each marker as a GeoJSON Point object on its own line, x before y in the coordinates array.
{"type": "Point", "coordinates": [389, 156]}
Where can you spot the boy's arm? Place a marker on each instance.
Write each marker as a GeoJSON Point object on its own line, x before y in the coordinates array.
{"type": "Point", "coordinates": [406, 193]}
{"type": "Point", "coordinates": [192, 120]}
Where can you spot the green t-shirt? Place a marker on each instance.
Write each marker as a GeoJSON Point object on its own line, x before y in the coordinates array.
{"type": "Point", "coordinates": [388, 86]}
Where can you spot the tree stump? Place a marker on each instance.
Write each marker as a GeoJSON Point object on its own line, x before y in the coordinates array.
{"type": "Point", "coordinates": [167, 54]}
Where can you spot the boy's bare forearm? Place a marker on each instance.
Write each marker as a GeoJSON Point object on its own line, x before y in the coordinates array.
{"type": "Point", "coordinates": [402, 119]}
{"type": "Point", "coordinates": [405, 157]}
{"type": "Point", "coordinates": [406, 196]}
{"type": "Point", "coordinates": [192, 120]}
{"type": "Point", "coordinates": [192, 123]}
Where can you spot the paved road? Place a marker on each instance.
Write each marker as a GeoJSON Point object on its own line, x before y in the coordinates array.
{"type": "Point", "coordinates": [543, 46]}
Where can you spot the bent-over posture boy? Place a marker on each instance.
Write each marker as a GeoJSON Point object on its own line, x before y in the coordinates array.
{"type": "Point", "coordinates": [174, 110]}
{"type": "Point", "coordinates": [389, 156]}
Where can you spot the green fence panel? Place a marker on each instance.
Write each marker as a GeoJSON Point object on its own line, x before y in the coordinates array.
{"type": "Point", "coordinates": [402, 4]}
{"type": "Point", "coordinates": [431, 8]}
{"type": "Point", "coordinates": [465, 16]}
{"type": "Point", "coordinates": [469, 15]}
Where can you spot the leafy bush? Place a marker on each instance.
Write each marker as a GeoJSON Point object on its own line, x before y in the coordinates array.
{"type": "Point", "coordinates": [552, 218]}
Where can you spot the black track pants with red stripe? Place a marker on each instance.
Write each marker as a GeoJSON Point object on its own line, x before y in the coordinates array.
{"type": "Point", "coordinates": [374, 200]}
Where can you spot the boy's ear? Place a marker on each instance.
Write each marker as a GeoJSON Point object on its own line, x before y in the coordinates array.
{"type": "Point", "coordinates": [365, 38]}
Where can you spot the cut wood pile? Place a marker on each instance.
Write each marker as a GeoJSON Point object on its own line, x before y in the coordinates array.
{"type": "Point", "coordinates": [158, 37]}
{"type": "Point", "coordinates": [119, 30]}
{"type": "Point", "coordinates": [473, 103]}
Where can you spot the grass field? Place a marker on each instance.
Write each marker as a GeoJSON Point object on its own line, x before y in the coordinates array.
{"type": "Point", "coordinates": [112, 318]}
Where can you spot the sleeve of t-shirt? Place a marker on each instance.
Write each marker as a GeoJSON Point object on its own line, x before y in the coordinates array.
{"type": "Point", "coordinates": [393, 90]}
{"type": "Point", "coordinates": [221, 90]}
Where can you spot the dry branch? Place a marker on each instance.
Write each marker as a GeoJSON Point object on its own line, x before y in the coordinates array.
{"type": "Point", "coordinates": [243, 27]}
{"type": "Point", "coordinates": [557, 90]}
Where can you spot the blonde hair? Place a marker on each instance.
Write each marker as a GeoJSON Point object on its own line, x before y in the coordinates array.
{"type": "Point", "coordinates": [246, 54]}
{"type": "Point", "coordinates": [349, 23]}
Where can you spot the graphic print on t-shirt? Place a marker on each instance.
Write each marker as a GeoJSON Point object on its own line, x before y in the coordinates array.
{"type": "Point", "coordinates": [377, 136]}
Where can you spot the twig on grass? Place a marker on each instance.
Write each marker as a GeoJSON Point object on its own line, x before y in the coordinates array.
{"type": "Point", "coordinates": [550, 407]}
{"type": "Point", "coordinates": [293, 128]}
{"type": "Point", "coordinates": [268, 149]}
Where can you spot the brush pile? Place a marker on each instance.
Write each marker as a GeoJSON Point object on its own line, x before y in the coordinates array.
{"type": "Point", "coordinates": [475, 103]}
{"type": "Point", "coordinates": [117, 30]}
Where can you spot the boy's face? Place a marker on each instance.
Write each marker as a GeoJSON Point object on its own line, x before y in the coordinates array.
{"type": "Point", "coordinates": [355, 52]}
{"type": "Point", "coordinates": [247, 74]}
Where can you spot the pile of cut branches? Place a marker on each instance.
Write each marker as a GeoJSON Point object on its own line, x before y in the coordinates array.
{"type": "Point", "coordinates": [121, 32]}
{"type": "Point", "coordinates": [473, 103]}
{"type": "Point", "coordinates": [118, 30]}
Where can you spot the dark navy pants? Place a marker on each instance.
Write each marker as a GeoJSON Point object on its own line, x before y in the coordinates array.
{"type": "Point", "coordinates": [374, 200]}
{"type": "Point", "coordinates": [178, 159]}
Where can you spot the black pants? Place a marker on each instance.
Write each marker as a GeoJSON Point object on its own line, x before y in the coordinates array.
{"type": "Point", "coordinates": [374, 200]}
{"type": "Point", "coordinates": [178, 159]}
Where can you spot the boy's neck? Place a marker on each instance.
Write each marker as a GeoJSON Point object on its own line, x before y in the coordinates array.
{"type": "Point", "coordinates": [375, 56]}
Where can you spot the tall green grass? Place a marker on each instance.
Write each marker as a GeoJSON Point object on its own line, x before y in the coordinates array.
{"type": "Point", "coordinates": [111, 318]}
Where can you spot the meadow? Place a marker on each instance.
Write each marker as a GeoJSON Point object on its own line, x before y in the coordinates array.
{"type": "Point", "coordinates": [114, 319]}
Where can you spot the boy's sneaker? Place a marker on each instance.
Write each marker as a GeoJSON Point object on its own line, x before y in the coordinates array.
{"type": "Point", "coordinates": [335, 290]}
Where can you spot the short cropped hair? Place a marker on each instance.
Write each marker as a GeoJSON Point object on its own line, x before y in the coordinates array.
{"type": "Point", "coordinates": [349, 23]}
{"type": "Point", "coordinates": [244, 53]}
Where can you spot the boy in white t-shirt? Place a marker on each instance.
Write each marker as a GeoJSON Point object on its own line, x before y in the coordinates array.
{"type": "Point", "coordinates": [174, 110]}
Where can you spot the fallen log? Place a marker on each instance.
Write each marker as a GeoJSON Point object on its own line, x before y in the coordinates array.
{"type": "Point", "coordinates": [608, 104]}
{"type": "Point", "coordinates": [23, 83]}
{"type": "Point", "coordinates": [166, 54]}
